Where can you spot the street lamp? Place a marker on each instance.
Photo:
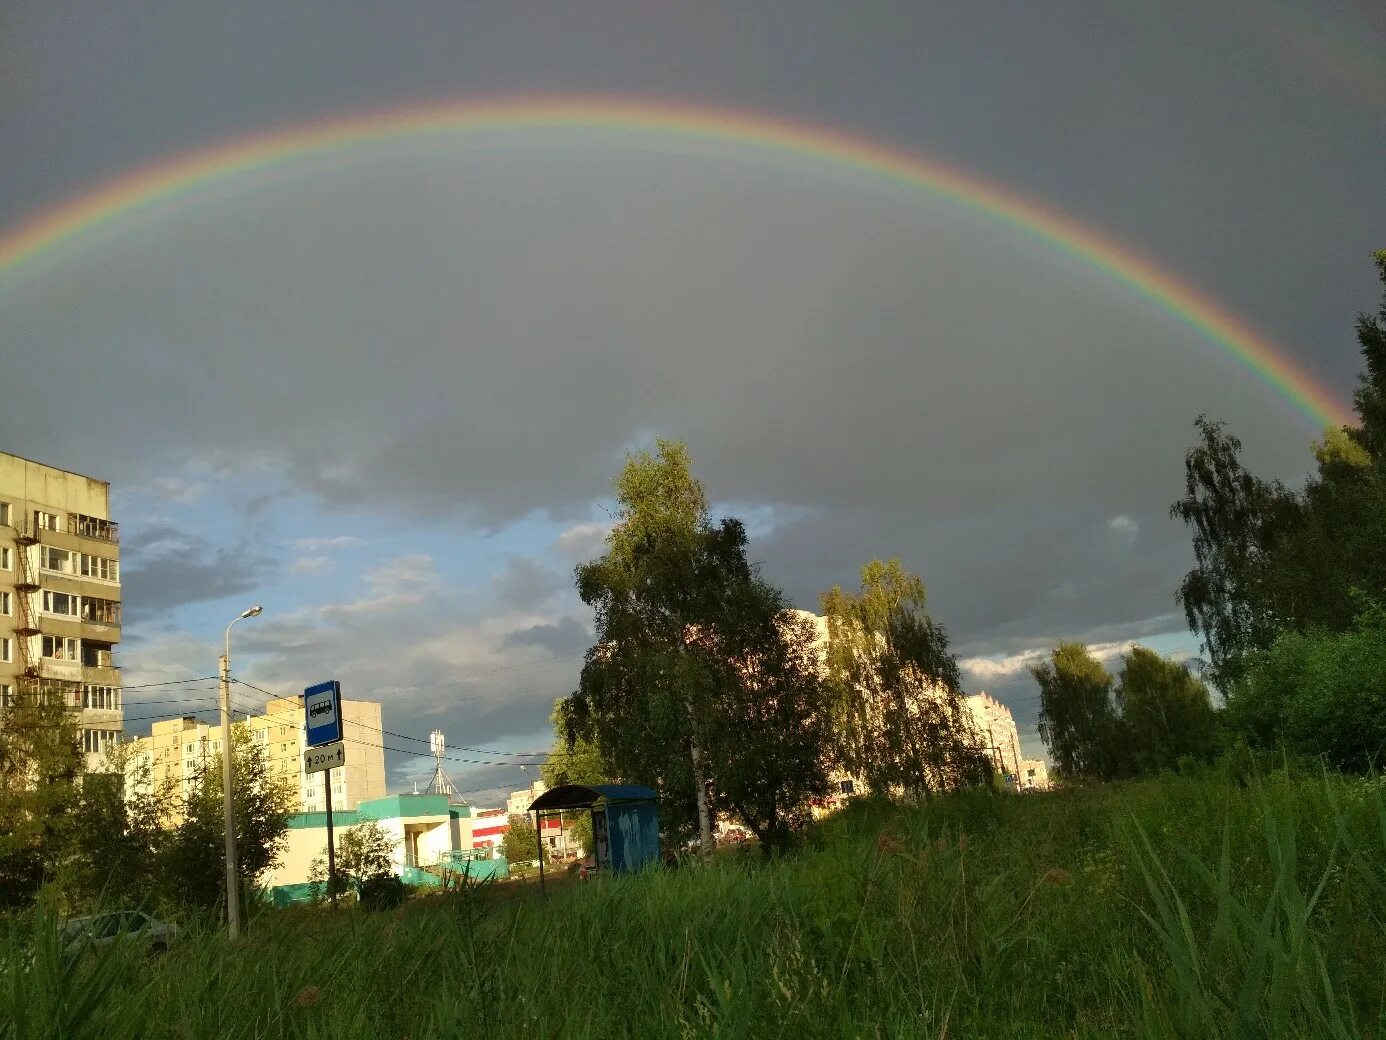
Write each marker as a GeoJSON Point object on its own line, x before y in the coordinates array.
{"type": "Point", "coordinates": [228, 803]}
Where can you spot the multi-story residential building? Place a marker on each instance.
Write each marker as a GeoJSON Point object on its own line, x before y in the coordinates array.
{"type": "Point", "coordinates": [361, 779]}
{"type": "Point", "coordinates": [996, 726]}
{"type": "Point", "coordinates": [178, 751]}
{"type": "Point", "coordinates": [60, 596]}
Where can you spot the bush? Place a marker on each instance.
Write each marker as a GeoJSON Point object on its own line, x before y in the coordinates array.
{"type": "Point", "coordinates": [382, 892]}
{"type": "Point", "coordinates": [1319, 695]}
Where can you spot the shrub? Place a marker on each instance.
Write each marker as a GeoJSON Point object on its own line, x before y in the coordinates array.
{"type": "Point", "coordinates": [382, 892]}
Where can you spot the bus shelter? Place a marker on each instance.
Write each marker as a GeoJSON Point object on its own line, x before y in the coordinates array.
{"type": "Point", "coordinates": [625, 822]}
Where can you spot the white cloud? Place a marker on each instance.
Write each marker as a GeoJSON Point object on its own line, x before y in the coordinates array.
{"type": "Point", "coordinates": [995, 669]}
{"type": "Point", "coordinates": [176, 489]}
{"type": "Point", "coordinates": [341, 541]}
{"type": "Point", "coordinates": [990, 669]}
{"type": "Point", "coordinates": [583, 541]}
{"type": "Point", "coordinates": [411, 572]}
{"type": "Point", "coordinates": [311, 566]}
{"type": "Point", "coordinates": [1124, 525]}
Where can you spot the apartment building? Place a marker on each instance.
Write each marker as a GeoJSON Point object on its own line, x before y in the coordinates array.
{"type": "Point", "coordinates": [280, 732]}
{"type": "Point", "coordinates": [178, 751]}
{"type": "Point", "coordinates": [997, 728]}
{"type": "Point", "coordinates": [60, 596]}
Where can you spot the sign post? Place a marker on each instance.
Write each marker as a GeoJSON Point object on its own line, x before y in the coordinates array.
{"type": "Point", "coordinates": [322, 716]}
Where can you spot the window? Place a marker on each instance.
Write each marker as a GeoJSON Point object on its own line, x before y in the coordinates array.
{"type": "Point", "coordinates": [6, 604]}
{"type": "Point", "coordinates": [100, 567]}
{"type": "Point", "coordinates": [5, 514]}
{"type": "Point", "coordinates": [6, 563]}
{"type": "Point", "coordinates": [51, 559]}
{"type": "Point", "coordinates": [6, 695]}
{"type": "Point", "coordinates": [6, 649]}
{"type": "Point", "coordinates": [106, 698]}
{"type": "Point", "coordinates": [59, 603]}
{"type": "Point", "coordinates": [60, 648]}
{"type": "Point", "coordinates": [98, 741]}
{"type": "Point", "coordinates": [94, 527]}
{"type": "Point", "coordinates": [847, 787]}
{"type": "Point", "coordinates": [46, 521]}
{"type": "Point", "coordinates": [96, 655]}
{"type": "Point", "coordinates": [100, 611]}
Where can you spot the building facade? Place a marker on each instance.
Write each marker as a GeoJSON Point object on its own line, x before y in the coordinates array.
{"type": "Point", "coordinates": [178, 751]}
{"type": "Point", "coordinates": [426, 832]}
{"type": "Point", "coordinates": [996, 725]}
{"type": "Point", "coordinates": [60, 606]}
{"type": "Point", "coordinates": [1034, 775]}
{"type": "Point", "coordinates": [280, 731]}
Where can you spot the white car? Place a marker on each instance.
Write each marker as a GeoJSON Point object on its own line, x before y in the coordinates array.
{"type": "Point", "coordinates": [128, 926]}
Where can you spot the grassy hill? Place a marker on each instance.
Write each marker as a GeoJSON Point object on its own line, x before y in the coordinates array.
{"type": "Point", "coordinates": [1183, 906]}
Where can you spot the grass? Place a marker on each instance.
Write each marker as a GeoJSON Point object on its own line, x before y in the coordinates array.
{"type": "Point", "coordinates": [1178, 907]}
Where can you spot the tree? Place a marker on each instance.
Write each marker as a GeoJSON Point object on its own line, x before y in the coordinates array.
{"type": "Point", "coordinates": [770, 737]}
{"type": "Point", "coordinates": [116, 837]}
{"type": "Point", "coordinates": [40, 766]}
{"type": "Point", "coordinates": [1270, 560]}
{"type": "Point", "coordinates": [520, 843]}
{"type": "Point", "coordinates": [896, 687]}
{"type": "Point", "coordinates": [194, 859]}
{"type": "Point", "coordinates": [1237, 521]}
{"type": "Point", "coordinates": [363, 852]}
{"type": "Point", "coordinates": [1319, 694]}
{"type": "Point", "coordinates": [1078, 722]}
{"type": "Point", "coordinates": [684, 625]}
{"type": "Point", "coordinates": [1165, 711]}
{"type": "Point", "coordinates": [573, 760]}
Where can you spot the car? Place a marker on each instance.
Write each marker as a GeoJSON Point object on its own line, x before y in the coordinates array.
{"type": "Point", "coordinates": [84, 933]}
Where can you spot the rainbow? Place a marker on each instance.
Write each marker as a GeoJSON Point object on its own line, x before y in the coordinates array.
{"type": "Point", "coordinates": [139, 192]}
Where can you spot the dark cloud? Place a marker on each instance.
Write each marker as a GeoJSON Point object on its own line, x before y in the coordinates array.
{"type": "Point", "coordinates": [567, 636]}
{"type": "Point", "coordinates": [525, 583]}
{"type": "Point", "coordinates": [472, 336]}
{"type": "Point", "coordinates": [164, 568]}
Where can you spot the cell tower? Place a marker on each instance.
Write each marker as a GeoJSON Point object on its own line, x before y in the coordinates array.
{"type": "Point", "coordinates": [441, 784]}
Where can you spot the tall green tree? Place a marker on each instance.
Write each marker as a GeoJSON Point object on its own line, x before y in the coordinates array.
{"type": "Point", "coordinates": [194, 857]}
{"type": "Point", "coordinates": [116, 837]}
{"type": "Point", "coordinates": [1078, 719]}
{"type": "Point", "coordinates": [1270, 560]}
{"type": "Point", "coordinates": [1165, 710]}
{"type": "Point", "coordinates": [684, 623]}
{"type": "Point", "coordinates": [40, 767]}
{"type": "Point", "coordinates": [770, 739]}
{"type": "Point", "coordinates": [895, 687]}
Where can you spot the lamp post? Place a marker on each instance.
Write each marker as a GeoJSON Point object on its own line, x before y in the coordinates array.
{"type": "Point", "coordinates": [233, 909]}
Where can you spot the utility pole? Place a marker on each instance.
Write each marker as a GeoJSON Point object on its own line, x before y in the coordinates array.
{"type": "Point", "coordinates": [228, 797]}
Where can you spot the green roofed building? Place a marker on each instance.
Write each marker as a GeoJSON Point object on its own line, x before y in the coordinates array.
{"type": "Point", "coordinates": [431, 836]}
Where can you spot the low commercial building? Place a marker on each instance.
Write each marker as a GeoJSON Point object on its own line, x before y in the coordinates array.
{"type": "Point", "coordinates": [428, 835]}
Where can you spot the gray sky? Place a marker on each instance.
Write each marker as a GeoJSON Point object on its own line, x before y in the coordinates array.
{"type": "Point", "coordinates": [406, 376]}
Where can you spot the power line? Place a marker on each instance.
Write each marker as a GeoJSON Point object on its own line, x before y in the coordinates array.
{"type": "Point", "coordinates": [406, 736]}
{"type": "Point", "coordinates": [171, 682]}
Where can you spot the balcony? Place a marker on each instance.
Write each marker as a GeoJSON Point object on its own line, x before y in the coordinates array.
{"type": "Point", "coordinates": [93, 527]}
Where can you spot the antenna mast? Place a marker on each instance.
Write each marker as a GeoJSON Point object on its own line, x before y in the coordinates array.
{"type": "Point", "coordinates": [442, 783]}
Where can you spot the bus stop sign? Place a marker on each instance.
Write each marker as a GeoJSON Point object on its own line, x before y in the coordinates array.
{"type": "Point", "coordinates": [322, 713]}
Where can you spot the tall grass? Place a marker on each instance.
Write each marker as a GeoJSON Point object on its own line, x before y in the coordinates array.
{"type": "Point", "coordinates": [1175, 907]}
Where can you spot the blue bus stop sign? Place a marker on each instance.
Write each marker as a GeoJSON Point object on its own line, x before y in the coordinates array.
{"type": "Point", "coordinates": [322, 712]}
